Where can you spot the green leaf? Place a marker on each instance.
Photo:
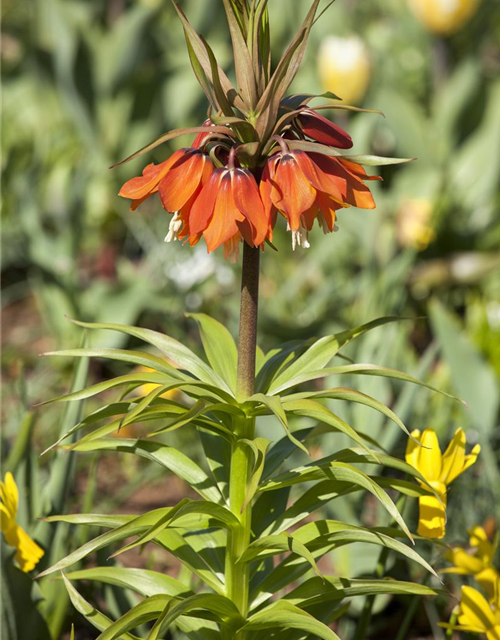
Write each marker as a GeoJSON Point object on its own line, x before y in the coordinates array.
{"type": "Point", "coordinates": [259, 447]}
{"type": "Point", "coordinates": [176, 351]}
{"type": "Point", "coordinates": [200, 53]}
{"type": "Point", "coordinates": [218, 454]}
{"type": "Point", "coordinates": [219, 346]}
{"type": "Point", "coordinates": [312, 409]}
{"type": "Point", "coordinates": [348, 395]}
{"type": "Point", "coordinates": [273, 403]}
{"type": "Point", "coordinates": [168, 457]}
{"type": "Point", "coordinates": [147, 610]}
{"type": "Point", "coordinates": [244, 68]}
{"type": "Point", "coordinates": [367, 160]}
{"type": "Point", "coordinates": [170, 135]}
{"type": "Point", "coordinates": [277, 544]}
{"type": "Point", "coordinates": [325, 535]}
{"type": "Point", "coordinates": [315, 591]}
{"type": "Point", "coordinates": [222, 516]}
{"type": "Point", "coordinates": [320, 353]}
{"type": "Point", "coordinates": [143, 581]}
{"type": "Point", "coordinates": [341, 472]}
{"type": "Point", "coordinates": [284, 615]}
{"type": "Point", "coordinates": [95, 617]}
{"type": "Point", "coordinates": [206, 606]}
{"type": "Point", "coordinates": [367, 370]}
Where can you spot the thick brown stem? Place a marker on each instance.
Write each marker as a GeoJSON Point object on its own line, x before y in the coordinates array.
{"type": "Point", "coordinates": [248, 322]}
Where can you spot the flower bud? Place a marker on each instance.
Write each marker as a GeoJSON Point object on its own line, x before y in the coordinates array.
{"type": "Point", "coordinates": [414, 224]}
{"type": "Point", "coordinates": [344, 68]}
{"type": "Point", "coordinates": [443, 17]}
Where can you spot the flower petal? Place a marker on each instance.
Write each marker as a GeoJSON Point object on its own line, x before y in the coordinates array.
{"type": "Point", "coordinates": [475, 611]}
{"type": "Point", "coordinates": [454, 457]}
{"type": "Point", "coordinates": [222, 225]}
{"type": "Point", "coordinates": [429, 456]}
{"type": "Point", "coordinates": [182, 180]}
{"type": "Point", "coordinates": [143, 186]}
{"type": "Point", "coordinates": [297, 194]}
{"type": "Point", "coordinates": [319, 128]}
{"type": "Point", "coordinates": [247, 199]}
{"type": "Point", "coordinates": [432, 517]}
{"type": "Point", "coordinates": [203, 207]}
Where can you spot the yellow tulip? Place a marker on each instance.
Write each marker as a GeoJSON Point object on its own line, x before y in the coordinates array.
{"type": "Point", "coordinates": [443, 17]}
{"type": "Point", "coordinates": [476, 615]}
{"type": "Point", "coordinates": [439, 470]}
{"type": "Point", "coordinates": [344, 68]}
{"type": "Point", "coordinates": [28, 552]}
{"type": "Point", "coordinates": [477, 562]}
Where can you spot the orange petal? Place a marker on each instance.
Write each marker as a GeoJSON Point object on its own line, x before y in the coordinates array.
{"type": "Point", "coordinates": [182, 179]}
{"type": "Point", "coordinates": [203, 207]}
{"type": "Point", "coordinates": [222, 225]}
{"type": "Point", "coordinates": [247, 199]}
{"type": "Point", "coordinates": [358, 170]}
{"type": "Point", "coordinates": [322, 172]}
{"type": "Point", "coordinates": [298, 194]}
{"type": "Point", "coordinates": [141, 187]}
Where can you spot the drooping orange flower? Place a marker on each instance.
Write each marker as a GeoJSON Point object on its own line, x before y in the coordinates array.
{"type": "Point", "coordinates": [305, 187]}
{"type": "Point", "coordinates": [229, 208]}
{"type": "Point", "coordinates": [178, 181]}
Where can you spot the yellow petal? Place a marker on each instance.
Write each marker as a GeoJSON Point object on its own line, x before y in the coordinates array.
{"type": "Point", "coordinates": [493, 634]}
{"type": "Point", "coordinates": [454, 457]}
{"type": "Point", "coordinates": [9, 494]}
{"type": "Point", "coordinates": [6, 520]}
{"type": "Point", "coordinates": [429, 457]}
{"type": "Point", "coordinates": [413, 449]}
{"type": "Point", "coordinates": [475, 611]}
{"type": "Point", "coordinates": [472, 457]}
{"type": "Point", "coordinates": [463, 560]}
{"type": "Point", "coordinates": [432, 517]}
{"type": "Point", "coordinates": [488, 580]}
{"type": "Point", "coordinates": [28, 552]}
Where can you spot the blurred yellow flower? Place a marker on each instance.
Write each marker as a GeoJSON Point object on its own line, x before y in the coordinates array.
{"type": "Point", "coordinates": [443, 16]}
{"type": "Point", "coordinates": [344, 67]}
{"type": "Point", "coordinates": [439, 470]}
{"type": "Point", "coordinates": [413, 224]}
{"type": "Point", "coordinates": [476, 562]}
{"type": "Point", "coordinates": [476, 615]}
{"type": "Point", "coordinates": [28, 552]}
{"type": "Point", "coordinates": [148, 387]}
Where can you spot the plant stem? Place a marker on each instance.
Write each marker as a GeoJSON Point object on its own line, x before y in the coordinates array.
{"type": "Point", "coordinates": [237, 574]}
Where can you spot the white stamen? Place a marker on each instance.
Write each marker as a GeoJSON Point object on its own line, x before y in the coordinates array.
{"type": "Point", "coordinates": [299, 239]}
{"type": "Point", "coordinates": [174, 228]}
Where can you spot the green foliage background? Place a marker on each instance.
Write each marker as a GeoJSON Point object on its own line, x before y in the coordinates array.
{"type": "Point", "coordinates": [85, 83]}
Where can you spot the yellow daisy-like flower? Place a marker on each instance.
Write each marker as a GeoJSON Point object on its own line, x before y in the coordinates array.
{"type": "Point", "coordinates": [28, 552]}
{"type": "Point", "coordinates": [477, 562]}
{"type": "Point", "coordinates": [439, 469]}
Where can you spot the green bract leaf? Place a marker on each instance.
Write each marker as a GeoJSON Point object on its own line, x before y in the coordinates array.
{"type": "Point", "coordinates": [368, 161]}
{"type": "Point", "coordinates": [170, 135]}
{"type": "Point", "coordinates": [259, 447]}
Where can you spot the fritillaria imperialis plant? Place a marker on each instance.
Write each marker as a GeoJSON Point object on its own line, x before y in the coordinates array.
{"type": "Point", "coordinates": [249, 543]}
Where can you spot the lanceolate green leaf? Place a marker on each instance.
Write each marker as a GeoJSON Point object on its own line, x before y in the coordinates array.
{"type": "Point", "coordinates": [177, 352]}
{"type": "Point", "coordinates": [146, 611]}
{"type": "Point", "coordinates": [315, 591]}
{"type": "Point", "coordinates": [284, 615]}
{"type": "Point", "coordinates": [277, 544]}
{"type": "Point", "coordinates": [219, 346]}
{"type": "Point", "coordinates": [95, 617]}
{"type": "Point", "coordinates": [170, 135]}
{"type": "Point", "coordinates": [323, 535]}
{"type": "Point", "coordinates": [367, 161]}
{"type": "Point", "coordinates": [319, 354]}
{"type": "Point", "coordinates": [168, 457]}
{"type": "Point", "coordinates": [341, 472]}
{"type": "Point", "coordinates": [206, 606]}
{"type": "Point", "coordinates": [273, 403]}
{"type": "Point", "coordinates": [143, 581]}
